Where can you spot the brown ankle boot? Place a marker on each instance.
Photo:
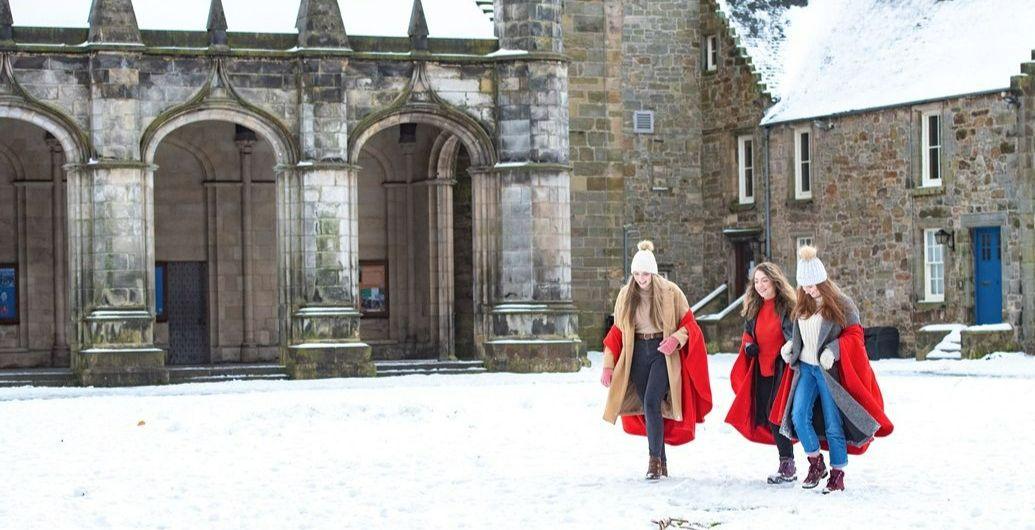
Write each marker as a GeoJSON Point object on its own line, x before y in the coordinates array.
{"type": "Point", "coordinates": [664, 468]}
{"type": "Point", "coordinates": [654, 468]}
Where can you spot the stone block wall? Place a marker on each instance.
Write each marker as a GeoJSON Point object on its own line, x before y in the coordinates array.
{"type": "Point", "coordinates": [868, 213]}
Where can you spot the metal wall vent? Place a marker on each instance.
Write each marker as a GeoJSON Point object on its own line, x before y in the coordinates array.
{"type": "Point", "coordinates": [643, 122]}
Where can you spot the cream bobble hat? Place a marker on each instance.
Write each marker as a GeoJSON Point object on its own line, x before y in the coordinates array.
{"type": "Point", "coordinates": [810, 270]}
{"type": "Point", "coordinates": [644, 260]}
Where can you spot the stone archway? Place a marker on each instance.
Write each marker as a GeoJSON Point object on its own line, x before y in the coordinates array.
{"type": "Point", "coordinates": [242, 205]}
{"type": "Point", "coordinates": [419, 199]}
{"type": "Point", "coordinates": [39, 336]}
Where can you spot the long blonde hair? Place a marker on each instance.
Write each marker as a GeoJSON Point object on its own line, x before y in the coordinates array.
{"type": "Point", "coordinates": [784, 292]}
{"type": "Point", "coordinates": [634, 296]}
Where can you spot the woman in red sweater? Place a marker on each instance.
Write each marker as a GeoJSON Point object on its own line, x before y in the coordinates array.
{"type": "Point", "coordinates": [756, 375]}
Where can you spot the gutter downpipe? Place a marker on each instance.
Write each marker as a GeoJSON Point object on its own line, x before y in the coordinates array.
{"type": "Point", "coordinates": [768, 194]}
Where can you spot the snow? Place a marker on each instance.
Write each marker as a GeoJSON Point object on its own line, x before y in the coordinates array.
{"type": "Point", "coordinates": [446, 18]}
{"type": "Point", "coordinates": [1004, 326]}
{"type": "Point", "coordinates": [499, 451]}
{"type": "Point", "coordinates": [837, 56]}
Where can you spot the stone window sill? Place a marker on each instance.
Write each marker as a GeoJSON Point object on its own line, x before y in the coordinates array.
{"type": "Point", "coordinates": [926, 305]}
{"type": "Point", "coordinates": [800, 203]}
{"type": "Point", "coordinates": [737, 206]}
{"type": "Point", "coordinates": [928, 191]}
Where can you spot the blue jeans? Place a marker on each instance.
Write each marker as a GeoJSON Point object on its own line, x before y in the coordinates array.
{"type": "Point", "coordinates": [810, 386]}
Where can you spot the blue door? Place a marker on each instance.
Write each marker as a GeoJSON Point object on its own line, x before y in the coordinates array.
{"type": "Point", "coordinates": [988, 276]}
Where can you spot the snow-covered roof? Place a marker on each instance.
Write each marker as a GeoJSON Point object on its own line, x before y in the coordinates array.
{"type": "Point", "coordinates": [837, 56]}
{"type": "Point", "coordinates": [446, 18]}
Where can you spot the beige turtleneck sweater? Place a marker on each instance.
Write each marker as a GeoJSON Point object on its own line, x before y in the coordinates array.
{"type": "Point", "coordinates": [643, 324]}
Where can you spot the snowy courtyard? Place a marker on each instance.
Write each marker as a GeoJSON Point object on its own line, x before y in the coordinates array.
{"type": "Point", "coordinates": [496, 451]}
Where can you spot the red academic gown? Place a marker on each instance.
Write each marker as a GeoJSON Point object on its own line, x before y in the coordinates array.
{"type": "Point", "coordinates": [855, 375]}
{"type": "Point", "coordinates": [741, 415]}
{"type": "Point", "coordinates": [697, 391]}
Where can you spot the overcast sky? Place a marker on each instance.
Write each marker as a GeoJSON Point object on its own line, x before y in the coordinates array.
{"type": "Point", "coordinates": [446, 18]}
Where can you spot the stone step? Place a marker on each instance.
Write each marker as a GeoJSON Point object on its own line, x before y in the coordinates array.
{"type": "Point", "coordinates": [37, 377]}
{"type": "Point", "coordinates": [226, 372]}
{"type": "Point", "coordinates": [428, 367]}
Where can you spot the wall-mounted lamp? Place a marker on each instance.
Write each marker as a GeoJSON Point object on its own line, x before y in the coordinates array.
{"type": "Point", "coordinates": [1010, 97]}
{"type": "Point", "coordinates": [945, 238]}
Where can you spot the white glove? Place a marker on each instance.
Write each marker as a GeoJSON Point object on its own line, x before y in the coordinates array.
{"type": "Point", "coordinates": [785, 351]}
{"type": "Point", "coordinates": [827, 359]}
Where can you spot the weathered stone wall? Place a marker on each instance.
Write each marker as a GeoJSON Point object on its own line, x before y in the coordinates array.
{"type": "Point", "coordinates": [867, 214]}
{"type": "Point", "coordinates": [732, 104]}
{"type": "Point", "coordinates": [593, 40]}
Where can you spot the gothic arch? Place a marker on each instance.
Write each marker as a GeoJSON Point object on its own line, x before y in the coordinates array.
{"type": "Point", "coordinates": [271, 131]}
{"type": "Point", "coordinates": [473, 136]}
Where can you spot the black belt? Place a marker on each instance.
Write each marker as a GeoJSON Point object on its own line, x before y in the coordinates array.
{"type": "Point", "coordinates": [648, 336]}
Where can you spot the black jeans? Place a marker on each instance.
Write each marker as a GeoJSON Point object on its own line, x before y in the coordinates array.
{"type": "Point", "coordinates": [650, 375]}
{"type": "Point", "coordinates": [765, 392]}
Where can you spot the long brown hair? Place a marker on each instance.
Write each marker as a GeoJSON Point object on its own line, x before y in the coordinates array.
{"type": "Point", "coordinates": [833, 303]}
{"type": "Point", "coordinates": [784, 292]}
{"type": "Point", "coordinates": [634, 296]}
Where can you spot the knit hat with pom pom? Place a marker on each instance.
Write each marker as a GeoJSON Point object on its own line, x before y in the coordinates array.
{"type": "Point", "coordinates": [644, 260]}
{"type": "Point", "coordinates": [810, 270]}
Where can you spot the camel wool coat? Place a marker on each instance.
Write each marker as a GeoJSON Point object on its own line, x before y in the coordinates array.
{"type": "Point", "coordinates": [622, 398]}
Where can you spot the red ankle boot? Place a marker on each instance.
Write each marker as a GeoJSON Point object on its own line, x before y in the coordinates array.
{"type": "Point", "coordinates": [836, 482]}
{"type": "Point", "coordinates": [817, 471]}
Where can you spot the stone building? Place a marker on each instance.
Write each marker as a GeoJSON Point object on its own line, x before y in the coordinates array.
{"type": "Point", "coordinates": [316, 199]}
{"type": "Point", "coordinates": [326, 201]}
{"type": "Point", "coordinates": [743, 155]}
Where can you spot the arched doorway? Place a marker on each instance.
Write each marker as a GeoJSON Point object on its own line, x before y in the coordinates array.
{"type": "Point", "coordinates": [215, 245]}
{"type": "Point", "coordinates": [216, 236]}
{"type": "Point", "coordinates": [424, 246]}
{"type": "Point", "coordinates": [33, 248]}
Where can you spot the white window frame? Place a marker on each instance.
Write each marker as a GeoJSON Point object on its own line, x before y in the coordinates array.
{"type": "Point", "coordinates": [799, 191]}
{"type": "Point", "coordinates": [934, 257]}
{"type": "Point", "coordinates": [801, 241]}
{"type": "Point", "coordinates": [745, 170]}
{"type": "Point", "coordinates": [711, 53]}
{"type": "Point", "coordinates": [926, 181]}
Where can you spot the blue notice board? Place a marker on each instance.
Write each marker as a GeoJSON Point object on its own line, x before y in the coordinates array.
{"type": "Point", "coordinates": [8, 294]}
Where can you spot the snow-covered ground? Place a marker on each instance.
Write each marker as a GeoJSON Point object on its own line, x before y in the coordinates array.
{"type": "Point", "coordinates": [495, 451]}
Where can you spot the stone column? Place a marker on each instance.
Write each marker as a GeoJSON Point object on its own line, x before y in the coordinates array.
{"type": "Point", "coordinates": [111, 211]}
{"type": "Point", "coordinates": [59, 352]}
{"type": "Point", "coordinates": [245, 144]}
{"type": "Point", "coordinates": [412, 314]}
{"type": "Point", "coordinates": [395, 199]}
{"type": "Point", "coordinates": [319, 223]}
{"type": "Point", "coordinates": [1023, 86]}
{"type": "Point", "coordinates": [440, 265]}
{"type": "Point", "coordinates": [485, 247]}
{"type": "Point", "coordinates": [532, 321]}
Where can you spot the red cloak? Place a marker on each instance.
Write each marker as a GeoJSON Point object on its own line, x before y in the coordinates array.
{"type": "Point", "coordinates": [697, 390]}
{"type": "Point", "coordinates": [855, 375]}
{"type": "Point", "coordinates": [740, 415]}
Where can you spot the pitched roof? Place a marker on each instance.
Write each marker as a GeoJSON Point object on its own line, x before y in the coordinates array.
{"type": "Point", "coordinates": [446, 18]}
{"type": "Point", "coordinates": [838, 56]}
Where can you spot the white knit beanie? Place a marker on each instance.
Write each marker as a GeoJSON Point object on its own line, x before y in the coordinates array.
{"type": "Point", "coordinates": [810, 270]}
{"type": "Point", "coordinates": [644, 260]}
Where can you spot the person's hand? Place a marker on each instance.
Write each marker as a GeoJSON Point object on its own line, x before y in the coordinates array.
{"type": "Point", "coordinates": [668, 345]}
{"type": "Point", "coordinates": [605, 378]}
{"type": "Point", "coordinates": [785, 352]}
{"type": "Point", "coordinates": [826, 359]}
{"type": "Point", "coordinates": [751, 350]}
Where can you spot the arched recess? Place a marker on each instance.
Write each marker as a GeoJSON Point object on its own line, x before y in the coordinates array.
{"type": "Point", "coordinates": [286, 157]}
{"type": "Point", "coordinates": [431, 195]}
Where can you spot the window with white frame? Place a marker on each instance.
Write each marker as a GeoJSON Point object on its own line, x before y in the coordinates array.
{"type": "Point", "coordinates": [931, 157]}
{"type": "Point", "coordinates": [711, 53]}
{"type": "Point", "coordinates": [802, 241]}
{"type": "Point", "coordinates": [746, 169]}
{"type": "Point", "coordinates": [934, 267]}
{"type": "Point", "coordinates": [803, 164]}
